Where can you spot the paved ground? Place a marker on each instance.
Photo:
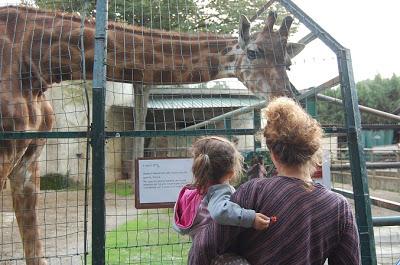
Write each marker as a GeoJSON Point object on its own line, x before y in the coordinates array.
{"type": "Point", "coordinates": [387, 239]}
{"type": "Point", "coordinates": [62, 218]}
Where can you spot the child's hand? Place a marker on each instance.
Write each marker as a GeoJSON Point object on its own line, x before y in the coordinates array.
{"type": "Point", "coordinates": [261, 222]}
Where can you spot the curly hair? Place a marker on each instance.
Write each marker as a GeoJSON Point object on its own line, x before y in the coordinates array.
{"type": "Point", "coordinates": [214, 157]}
{"type": "Point", "coordinates": [292, 135]}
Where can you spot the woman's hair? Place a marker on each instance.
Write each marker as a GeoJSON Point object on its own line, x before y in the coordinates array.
{"type": "Point", "coordinates": [292, 135]}
{"type": "Point", "coordinates": [214, 157]}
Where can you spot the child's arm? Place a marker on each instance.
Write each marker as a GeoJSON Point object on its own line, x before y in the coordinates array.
{"type": "Point", "coordinates": [225, 212]}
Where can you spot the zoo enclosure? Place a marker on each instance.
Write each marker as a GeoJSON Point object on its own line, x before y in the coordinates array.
{"type": "Point", "coordinates": [99, 136]}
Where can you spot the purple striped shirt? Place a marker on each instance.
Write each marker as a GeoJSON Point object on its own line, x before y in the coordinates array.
{"type": "Point", "coordinates": [313, 224]}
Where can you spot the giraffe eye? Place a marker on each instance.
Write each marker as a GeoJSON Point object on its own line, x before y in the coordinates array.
{"type": "Point", "coordinates": [288, 67]}
{"type": "Point", "coordinates": [251, 54]}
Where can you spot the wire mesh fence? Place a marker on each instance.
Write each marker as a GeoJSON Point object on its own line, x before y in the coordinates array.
{"type": "Point", "coordinates": [163, 58]}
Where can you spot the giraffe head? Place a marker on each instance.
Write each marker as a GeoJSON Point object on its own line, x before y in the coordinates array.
{"type": "Point", "coordinates": [265, 56]}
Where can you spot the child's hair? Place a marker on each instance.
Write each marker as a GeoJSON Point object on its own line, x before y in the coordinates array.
{"type": "Point", "coordinates": [214, 157]}
{"type": "Point", "coordinates": [292, 135]}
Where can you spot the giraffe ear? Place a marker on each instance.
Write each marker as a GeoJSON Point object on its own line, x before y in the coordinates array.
{"type": "Point", "coordinates": [294, 48]}
{"type": "Point", "coordinates": [269, 23]}
{"type": "Point", "coordinates": [285, 27]}
{"type": "Point", "coordinates": [244, 31]}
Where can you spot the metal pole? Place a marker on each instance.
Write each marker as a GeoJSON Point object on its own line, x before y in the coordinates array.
{"type": "Point", "coordinates": [353, 127]}
{"type": "Point", "coordinates": [260, 105]}
{"type": "Point", "coordinates": [243, 110]}
{"type": "Point", "coordinates": [357, 160]}
{"type": "Point", "coordinates": [370, 165]}
{"type": "Point", "coordinates": [262, 10]}
{"type": "Point", "coordinates": [257, 127]}
{"type": "Point", "coordinates": [98, 135]}
{"type": "Point", "coordinates": [362, 108]}
{"type": "Point", "coordinates": [386, 221]}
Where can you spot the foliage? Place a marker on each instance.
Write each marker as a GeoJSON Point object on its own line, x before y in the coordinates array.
{"type": "Point", "coordinates": [57, 181]}
{"type": "Point", "coordinates": [380, 93]}
{"type": "Point", "coordinates": [220, 16]}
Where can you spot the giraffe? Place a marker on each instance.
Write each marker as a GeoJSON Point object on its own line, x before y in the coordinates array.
{"type": "Point", "coordinates": [41, 47]}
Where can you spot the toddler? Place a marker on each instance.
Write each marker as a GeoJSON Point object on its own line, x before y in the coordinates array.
{"type": "Point", "coordinates": [216, 162]}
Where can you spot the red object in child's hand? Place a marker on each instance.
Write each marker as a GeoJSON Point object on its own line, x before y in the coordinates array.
{"type": "Point", "coordinates": [273, 219]}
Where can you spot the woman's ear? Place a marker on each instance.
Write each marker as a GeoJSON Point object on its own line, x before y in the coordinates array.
{"type": "Point", "coordinates": [274, 160]}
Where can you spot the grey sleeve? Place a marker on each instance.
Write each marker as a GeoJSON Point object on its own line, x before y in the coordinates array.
{"type": "Point", "coordinates": [225, 212]}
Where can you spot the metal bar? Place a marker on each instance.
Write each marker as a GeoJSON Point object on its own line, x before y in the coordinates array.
{"type": "Point", "coordinates": [262, 10]}
{"type": "Point", "coordinates": [386, 221]}
{"type": "Point", "coordinates": [243, 110]}
{"type": "Point", "coordinates": [148, 133]}
{"type": "Point", "coordinates": [88, 117]}
{"type": "Point", "coordinates": [34, 135]}
{"type": "Point", "coordinates": [397, 111]}
{"type": "Point", "coordinates": [391, 205]}
{"type": "Point", "coordinates": [98, 135]}
{"type": "Point", "coordinates": [370, 165]}
{"type": "Point", "coordinates": [353, 125]}
{"type": "Point", "coordinates": [228, 126]}
{"type": "Point", "coordinates": [307, 39]}
{"type": "Point", "coordinates": [357, 159]}
{"type": "Point", "coordinates": [362, 108]}
{"type": "Point", "coordinates": [328, 84]}
{"type": "Point", "coordinates": [116, 134]}
{"type": "Point", "coordinates": [317, 30]}
{"type": "Point", "coordinates": [260, 105]}
{"type": "Point", "coordinates": [257, 127]}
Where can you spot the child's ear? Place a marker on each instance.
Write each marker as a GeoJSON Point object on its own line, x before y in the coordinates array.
{"type": "Point", "coordinates": [230, 174]}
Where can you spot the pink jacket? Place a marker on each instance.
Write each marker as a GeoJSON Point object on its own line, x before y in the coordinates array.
{"type": "Point", "coordinates": [190, 212]}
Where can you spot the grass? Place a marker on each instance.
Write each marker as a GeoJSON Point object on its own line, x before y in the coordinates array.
{"type": "Point", "coordinates": [57, 181]}
{"type": "Point", "coordinates": [149, 239]}
{"type": "Point", "coordinates": [120, 187]}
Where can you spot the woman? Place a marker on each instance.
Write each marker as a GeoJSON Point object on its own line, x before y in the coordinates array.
{"type": "Point", "coordinates": [313, 224]}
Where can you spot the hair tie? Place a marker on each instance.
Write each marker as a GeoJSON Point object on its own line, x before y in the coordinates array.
{"type": "Point", "coordinates": [207, 158]}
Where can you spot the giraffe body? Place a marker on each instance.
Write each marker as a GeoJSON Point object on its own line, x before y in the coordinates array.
{"type": "Point", "coordinates": [39, 48]}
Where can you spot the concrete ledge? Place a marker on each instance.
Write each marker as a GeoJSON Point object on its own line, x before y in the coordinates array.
{"type": "Point", "coordinates": [391, 205]}
{"type": "Point", "coordinates": [376, 182]}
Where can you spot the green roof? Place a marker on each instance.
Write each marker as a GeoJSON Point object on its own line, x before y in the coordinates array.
{"type": "Point", "coordinates": [200, 102]}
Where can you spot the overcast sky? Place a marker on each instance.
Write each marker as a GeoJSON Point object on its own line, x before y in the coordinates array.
{"type": "Point", "coordinates": [370, 29]}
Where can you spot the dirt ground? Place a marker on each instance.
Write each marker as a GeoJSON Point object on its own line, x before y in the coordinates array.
{"type": "Point", "coordinates": [61, 215]}
{"type": "Point", "coordinates": [62, 224]}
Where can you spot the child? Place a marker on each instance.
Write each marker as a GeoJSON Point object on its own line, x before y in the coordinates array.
{"type": "Point", "coordinates": [216, 161]}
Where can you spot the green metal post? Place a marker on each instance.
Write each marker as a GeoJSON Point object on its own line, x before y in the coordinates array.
{"type": "Point", "coordinates": [357, 159]}
{"type": "Point", "coordinates": [311, 106]}
{"type": "Point", "coordinates": [98, 135]}
{"type": "Point", "coordinates": [228, 126]}
{"type": "Point", "coordinates": [257, 126]}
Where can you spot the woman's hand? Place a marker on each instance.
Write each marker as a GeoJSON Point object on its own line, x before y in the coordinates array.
{"type": "Point", "coordinates": [261, 222]}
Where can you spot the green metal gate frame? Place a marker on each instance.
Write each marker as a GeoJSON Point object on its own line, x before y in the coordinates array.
{"type": "Point", "coordinates": [353, 129]}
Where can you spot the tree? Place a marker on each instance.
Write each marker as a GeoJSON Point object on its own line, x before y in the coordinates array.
{"type": "Point", "coordinates": [380, 93]}
{"type": "Point", "coordinates": [219, 16]}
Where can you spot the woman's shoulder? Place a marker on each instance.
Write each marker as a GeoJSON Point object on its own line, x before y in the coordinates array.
{"type": "Point", "coordinates": [256, 184]}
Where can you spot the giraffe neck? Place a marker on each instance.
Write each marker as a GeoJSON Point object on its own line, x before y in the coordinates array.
{"type": "Point", "coordinates": [48, 46]}
{"type": "Point", "coordinates": [167, 58]}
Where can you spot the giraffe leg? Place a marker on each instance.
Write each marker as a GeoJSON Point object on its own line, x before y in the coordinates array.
{"type": "Point", "coordinates": [24, 188]}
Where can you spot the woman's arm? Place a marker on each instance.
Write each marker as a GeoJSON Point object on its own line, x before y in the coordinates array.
{"type": "Point", "coordinates": [217, 239]}
{"type": "Point", "coordinates": [348, 250]}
